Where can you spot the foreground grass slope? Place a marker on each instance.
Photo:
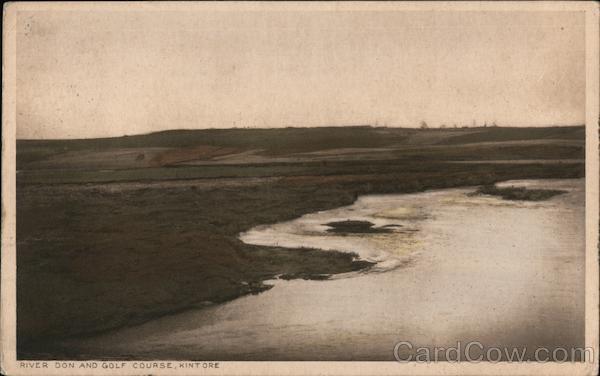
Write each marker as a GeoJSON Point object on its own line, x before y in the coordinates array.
{"type": "Point", "coordinates": [94, 255]}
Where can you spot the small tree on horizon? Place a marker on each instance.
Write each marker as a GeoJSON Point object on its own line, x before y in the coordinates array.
{"type": "Point", "coordinates": [423, 125]}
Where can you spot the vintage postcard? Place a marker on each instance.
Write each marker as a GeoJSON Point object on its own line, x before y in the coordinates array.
{"type": "Point", "coordinates": [300, 188]}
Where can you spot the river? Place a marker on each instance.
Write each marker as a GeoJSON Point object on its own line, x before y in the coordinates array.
{"type": "Point", "coordinates": [455, 267]}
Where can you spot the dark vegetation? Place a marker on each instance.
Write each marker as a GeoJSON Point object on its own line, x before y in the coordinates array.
{"type": "Point", "coordinates": [356, 227]}
{"type": "Point", "coordinates": [518, 193]}
{"type": "Point", "coordinates": [94, 255]}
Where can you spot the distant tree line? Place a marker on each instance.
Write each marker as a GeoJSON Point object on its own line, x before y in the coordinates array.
{"type": "Point", "coordinates": [423, 125]}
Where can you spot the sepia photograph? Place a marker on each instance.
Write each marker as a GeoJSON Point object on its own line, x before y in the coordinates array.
{"type": "Point", "coordinates": [300, 188]}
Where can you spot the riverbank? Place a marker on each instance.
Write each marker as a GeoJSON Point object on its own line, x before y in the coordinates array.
{"type": "Point", "coordinates": [96, 259]}
{"type": "Point", "coordinates": [472, 265]}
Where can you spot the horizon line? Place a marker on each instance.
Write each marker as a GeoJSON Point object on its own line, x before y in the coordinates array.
{"type": "Point", "coordinates": [417, 128]}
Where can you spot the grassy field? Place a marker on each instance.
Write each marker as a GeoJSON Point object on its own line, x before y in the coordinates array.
{"type": "Point", "coordinates": [114, 232]}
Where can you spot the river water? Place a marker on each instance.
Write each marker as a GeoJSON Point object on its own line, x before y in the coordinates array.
{"type": "Point", "coordinates": [455, 268]}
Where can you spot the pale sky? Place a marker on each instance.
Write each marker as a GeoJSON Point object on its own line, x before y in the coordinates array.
{"type": "Point", "coordinates": [94, 74]}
